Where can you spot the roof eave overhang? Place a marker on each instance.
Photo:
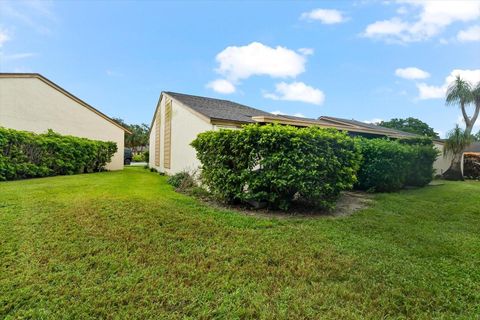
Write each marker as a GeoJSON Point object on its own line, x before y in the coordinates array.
{"type": "Point", "coordinates": [338, 125]}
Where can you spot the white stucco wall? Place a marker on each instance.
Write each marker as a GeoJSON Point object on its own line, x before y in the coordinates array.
{"type": "Point", "coordinates": [151, 147]}
{"type": "Point", "coordinates": [30, 104]}
{"type": "Point", "coordinates": [442, 163]}
{"type": "Point", "coordinates": [185, 128]}
{"type": "Point", "coordinates": [186, 125]}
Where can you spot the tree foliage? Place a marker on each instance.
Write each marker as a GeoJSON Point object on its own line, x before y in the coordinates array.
{"type": "Point", "coordinates": [412, 125]}
{"type": "Point", "coordinates": [455, 144]}
{"type": "Point", "coordinates": [138, 137]}
{"type": "Point", "coordinates": [462, 93]}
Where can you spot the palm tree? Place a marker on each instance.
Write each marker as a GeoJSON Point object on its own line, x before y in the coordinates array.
{"type": "Point", "coordinates": [476, 101]}
{"type": "Point", "coordinates": [457, 140]}
{"type": "Point", "coordinates": [461, 93]}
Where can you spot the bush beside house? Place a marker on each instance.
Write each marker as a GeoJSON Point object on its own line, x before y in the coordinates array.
{"type": "Point", "coordinates": [277, 164]}
{"type": "Point", "coordinates": [28, 155]}
{"type": "Point", "coordinates": [389, 165]}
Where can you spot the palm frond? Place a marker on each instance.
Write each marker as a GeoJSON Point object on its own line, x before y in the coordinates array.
{"type": "Point", "coordinates": [457, 140]}
{"type": "Point", "coordinates": [459, 92]}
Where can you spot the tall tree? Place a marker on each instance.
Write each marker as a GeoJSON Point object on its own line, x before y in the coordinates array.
{"type": "Point", "coordinates": [476, 101]}
{"type": "Point", "coordinates": [412, 125]}
{"type": "Point", "coordinates": [457, 140]}
{"type": "Point", "coordinates": [138, 137]}
{"type": "Point", "coordinates": [461, 93]}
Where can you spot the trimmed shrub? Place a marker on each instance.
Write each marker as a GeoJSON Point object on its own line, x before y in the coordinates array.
{"type": "Point", "coordinates": [141, 157]}
{"type": "Point", "coordinates": [277, 164]}
{"type": "Point", "coordinates": [389, 165]}
{"type": "Point", "coordinates": [138, 158]}
{"type": "Point", "coordinates": [384, 166]}
{"type": "Point", "coordinates": [423, 155]}
{"type": "Point", "coordinates": [28, 155]}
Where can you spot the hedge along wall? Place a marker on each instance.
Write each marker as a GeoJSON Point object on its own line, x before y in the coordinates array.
{"type": "Point", "coordinates": [28, 155]}
{"type": "Point", "coordinates": [275, 164]}
{"type": "Point", "coordinates": [389, 165]}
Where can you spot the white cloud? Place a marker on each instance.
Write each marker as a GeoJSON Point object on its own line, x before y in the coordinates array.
{"type": "Point", "coordinates": [221, 86]}
{"type": "Point", "coordinates": [4, 36]}
{"type": "Point", "coordinates": [296, 91]}
{"type": "Point", "coordinates": [373, 121]}
{"type": "Point", "coordinates": [325, 16]}
{"type": "Point", "coordinates": [306, 51]}
{"type": "Point", "coordinates": [385, 28]}
{"type": "Point", "coordinates": [426, 91]}
{"type": "Point", "coordinates": [432, 18]}
{"type": "Point", "coordinates": [470, 34]}
{"type": "Point", "coordinates": [438, 92]}
{"type": "Point", "coordinates": [443, 41]}
{"type": "Point", "coordinates": [278, 112]}
{"type": "Point", "coordinates": [411, 73]}
{"type": "Point", "coordinates": [236, 63]}
{"type": "Point", "coordinates": [472, 76]}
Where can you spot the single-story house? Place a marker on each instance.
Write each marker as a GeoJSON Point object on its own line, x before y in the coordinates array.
{"type": "Point", "coordinates": [31, 102]}
{"type": "Point", "coordinates": [179, 118]}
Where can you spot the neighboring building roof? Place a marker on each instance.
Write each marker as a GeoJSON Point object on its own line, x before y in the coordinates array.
{"type": "Point", "coordinates": [63, 91]}
{"type": "Point", "coordinates": [369, 125]}
{"type": "Point", "coordinates": [474, 148]}
{"type": "Point", "coordinates": [228, 111]}
{"type": "Point", "coordinates": [219, 109]}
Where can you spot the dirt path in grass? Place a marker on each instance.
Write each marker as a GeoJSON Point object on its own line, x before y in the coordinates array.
{"type": "Point", "coordinates": [349, 203]}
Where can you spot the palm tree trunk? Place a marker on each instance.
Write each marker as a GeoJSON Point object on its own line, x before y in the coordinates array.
{"type": "Point", "coordinates": [455, 170]}
{"type": "Point", "coordinates": [473, 119]}
{"type": "Point", "coordinates": [470, 122]}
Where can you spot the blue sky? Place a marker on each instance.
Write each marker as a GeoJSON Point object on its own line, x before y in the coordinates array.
{"type": "Point", "coordinates": [361, 59]}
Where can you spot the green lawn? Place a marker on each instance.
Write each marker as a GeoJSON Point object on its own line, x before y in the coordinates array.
{"type": "Point", "coordinates": [124, 245]}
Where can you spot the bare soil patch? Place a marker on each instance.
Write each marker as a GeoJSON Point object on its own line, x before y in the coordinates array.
{"type": "Point", "coordinates": [348, 203]}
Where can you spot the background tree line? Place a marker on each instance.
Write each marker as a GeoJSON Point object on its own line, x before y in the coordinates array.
{"type": "Point", "coordinates": [138, 139]}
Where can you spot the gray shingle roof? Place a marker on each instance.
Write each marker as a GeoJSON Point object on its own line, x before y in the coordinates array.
{"type": "Point", "coordinates": [372, 126]}
{"type": "Point", "coordinates": [218, 108]}
{"type": "Point", "coordinates": [474, 147]}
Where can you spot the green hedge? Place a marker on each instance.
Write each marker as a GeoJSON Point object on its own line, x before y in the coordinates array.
{"type": "Point", "coordinates": [277, 164]}
{"type": "Point", "coordinates": [389, 165]}
{"type": "Point", "coordinates": [28, 155]}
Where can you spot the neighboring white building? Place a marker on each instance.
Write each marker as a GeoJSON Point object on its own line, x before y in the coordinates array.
{"type": "Point", "coordinates": [179, 118]}
{"type": "Point", "coordinates": [31, 102]}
